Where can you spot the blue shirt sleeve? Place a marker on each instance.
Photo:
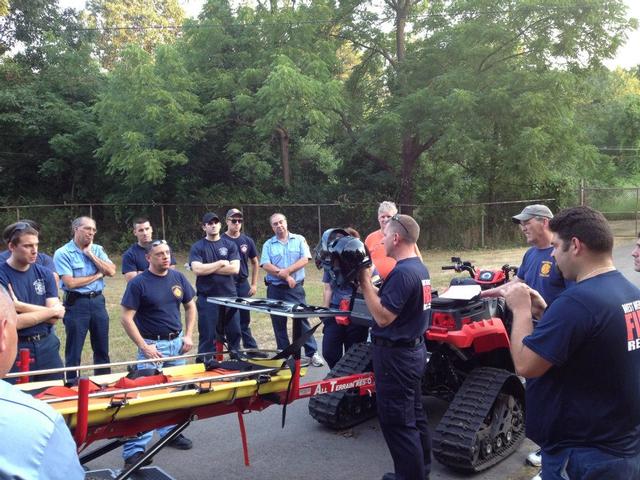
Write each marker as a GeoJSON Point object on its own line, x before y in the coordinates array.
{"type": "Point", "coordinates": [195, 255]}
{"type": "Point", "coordinates": [234, 254]}
{"type": "Point", "coordinates": [99, 252]}
{"type": "Point", "coordinates": [265, 256]}
{"type": "Point", "coordinates": [128, 262]}
{"type": "Point", "coordinates": [188, 291]}
{"type": "Point", "coordinates": [131, 297]}
{"type": "Point", "coordinates": [62, 262]}
{"type": "Point", "coordinates": [252, 251]}
{"type": "Point", "coordinates": [395, 292]}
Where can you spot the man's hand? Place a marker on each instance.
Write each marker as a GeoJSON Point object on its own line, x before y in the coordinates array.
{"type": "Point", "coordinates": [518, 298]}
{"type": "Point", "coordinates": [291, 281]}
{"type": "Point", "coordinates": [252, 290]}
{"type": "Point", "coordinates": [187, 344]}
{"type": "Point", "coordinates": [150, 351]}
{"type": "Point", "coordinates": [283, 274]}
{"type": "Point", "coordinates": [364, 275]}
{"type": "Point", "coordinates": [58, 311]}
{"type": "Point", "coordinates": [537, 305]}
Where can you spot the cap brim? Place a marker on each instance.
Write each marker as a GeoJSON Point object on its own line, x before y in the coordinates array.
{"type": "Point", "coordinates": [523, 217]}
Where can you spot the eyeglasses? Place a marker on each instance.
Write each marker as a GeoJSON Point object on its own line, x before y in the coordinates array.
{"type": "Point", "coordinates": [157, 243]}
{"type": "Point", "coordinates": [396, 217]}
{"type": "Point", "coordinates": [235, 220]}
{"type": "Point", "coordinates": [215, 221]}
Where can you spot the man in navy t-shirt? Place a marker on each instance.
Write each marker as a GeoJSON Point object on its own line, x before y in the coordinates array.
{"type": "Point", "coordinates": [134, 260]}
{"type": "Point", "coordinates": [35, 295]}
{"type": "Point", "coordinates": [244, 287]}
{"type": "Point", "coordinates": [400, 311]}
{"type": "Point", "coordinates": [582, 359]}
{"type": "Point", "coordinates": [215, 260]}
{"type": "Point", "coordinates": [538, 269]}
{"type": "Point", "coordinates": [151, 318]}
{"type": "Point", "coordinates": [42, 258]}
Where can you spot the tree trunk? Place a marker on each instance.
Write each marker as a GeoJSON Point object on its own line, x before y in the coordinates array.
{"type": "Point", "coordinates": [284, 156]}
{"type": "Point", "coordinates": [410, 152]}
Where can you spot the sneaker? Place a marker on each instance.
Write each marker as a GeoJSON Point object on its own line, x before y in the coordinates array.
{"type": "Point", "coordinates": [535, 458]}
{"type": "Point", "coordinates": [135, 458]}
{"type": "Point", "coordinates": [317, 360]}
{"type": "Point", "coordinates": [181, 443]}
{"type": "Point", "coordinates": [538, 476]}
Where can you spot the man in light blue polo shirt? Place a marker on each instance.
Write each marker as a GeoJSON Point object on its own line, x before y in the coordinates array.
{"type": "Point", "coordinates": [283, 258]}
{"type": "Point", "coordinates": [82, 266]}
{"type": "Point", "coordinates": [37, 442]}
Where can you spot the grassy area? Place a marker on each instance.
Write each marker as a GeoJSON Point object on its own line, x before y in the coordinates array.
{"type": "Point", "coordinates": [122, 348]}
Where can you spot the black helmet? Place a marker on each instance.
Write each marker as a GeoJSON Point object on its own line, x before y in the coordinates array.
{"type": "Point", "coordinates": [348, 256]}
{"type": "Point", "coordinates": [321, 255]}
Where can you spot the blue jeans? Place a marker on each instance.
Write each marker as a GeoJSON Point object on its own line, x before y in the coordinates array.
{"type": "Point", "coordinates": [245, 317]}
{"type": "Point", "coordinates": [86, 315]}
{"type": "Point", "coordinates": [167, 348]}
{"type": "Point", "coordinates": [588, 463]}
{"type": "Point", "coordinates": [295, 295]}
{"type": "Point", "coordinates": [45, 354]}
{"type": "Point", "coordinates": [208, 315]}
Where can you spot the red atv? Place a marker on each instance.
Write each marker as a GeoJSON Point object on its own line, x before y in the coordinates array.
{"type": "Point", "coordinates": [469, 365]}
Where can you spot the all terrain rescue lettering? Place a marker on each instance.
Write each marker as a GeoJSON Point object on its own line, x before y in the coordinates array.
{"type": "Point", "coordinates": [632, 321]}
{"type": "Point", "coordinates": [332, 387]}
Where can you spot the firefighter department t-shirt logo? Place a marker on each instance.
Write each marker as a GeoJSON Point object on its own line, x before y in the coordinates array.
{"type": "Point", "coordinates": [545, 268]}
{"type": "Point", "coordinates": [426, 294]}
{"type": "Point", "coordinates": [177, 291]}
{"type": "Point", "coordinates": [632, 321]}
{"type": "Point", "coordinates": [39, 287]}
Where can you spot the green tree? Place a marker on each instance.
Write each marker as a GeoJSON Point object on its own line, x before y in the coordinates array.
{"type": "Point", "coordinates": [140, 22]}
{"type": "Point", "coordinates": [148, 117]}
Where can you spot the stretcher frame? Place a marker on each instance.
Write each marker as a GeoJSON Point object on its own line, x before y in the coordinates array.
{"type": "Point", "coordinates": [244, 396]}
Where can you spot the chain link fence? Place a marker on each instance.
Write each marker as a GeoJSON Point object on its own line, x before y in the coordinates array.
{"type": "Point", "coordinates": [621, 206]}
{"type": "Point", "coordinates": [454, 226]}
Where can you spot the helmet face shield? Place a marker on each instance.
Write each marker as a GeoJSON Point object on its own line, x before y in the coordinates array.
{"type": "Point", "coordinates": [322, 256]}
{"type": "Point", "coordinates": [348, 256]}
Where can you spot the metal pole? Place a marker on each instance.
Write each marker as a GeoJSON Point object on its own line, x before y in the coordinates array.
{"type": "Point", "coordinates": [17, 214]}
{"type": "Point", "coordinates": [164, 234]}
{"type": "Point", "coordinates": [637, 201]}
{"type": "Point", "coordinates": [482, 228]}
{"type": "Point", "coordinates": [582, 192]}
{"type": "Point", "coordinates": [90, 211]}
{"type": "Point", "coordinates": [319, 223]}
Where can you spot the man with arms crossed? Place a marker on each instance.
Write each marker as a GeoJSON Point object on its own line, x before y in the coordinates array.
{"type": "Point", "coordinates": [283, 258]}
{"type": "Point", "coordinates": [35, 296]}
{"type": "Point", "coordinates": [82, 266]}
{"type": "Point", "coordinates": [151, 318]}
{"type": "Point", "coordinates": [582, 359]}
{"type": "Point", "coordinates": [37, 442]}
{"type": "Point", "coordinates": [134, 260]}
{"type": "Point", "coordinates": [215, 260]}
{"type": "Point", "coordinates": [400, 309]}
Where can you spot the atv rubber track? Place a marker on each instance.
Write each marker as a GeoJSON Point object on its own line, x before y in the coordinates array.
{"type": "Point", "coordinates": [455, 440]}
{"type": "Point", "coordinates": [340, 410]}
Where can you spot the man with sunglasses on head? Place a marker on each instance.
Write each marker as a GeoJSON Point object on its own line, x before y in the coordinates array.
{"type": "Point", "coordinates": [35, 295]}
{"type": "Point", "coordinates": [82, 266]}
{"type": "Point", "coordinates": [400, 309]}
{"type": "Point", "coordinates": [248, 253]}
{"type": "Point", "coordinates": [42, 258]}
{"type": "Point", "coordinates": [134, 260]}
{"type": "Point", "coordinates": [214, 260]}
{"type": "Point", "coordinates": [151, 318]}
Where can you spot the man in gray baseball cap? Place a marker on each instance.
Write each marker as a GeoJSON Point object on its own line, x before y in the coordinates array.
{"type": "Point", "coordinates": [533, 211]}
{"type": "Point", "coordinates": [538, 268]}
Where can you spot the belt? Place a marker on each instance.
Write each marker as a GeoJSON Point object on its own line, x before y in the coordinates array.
{"type": "Point", "coordinates": [283, 285]}
{"type": "Point", "coordinates": [383, 342]}
{"type": "Point", "coordinates": [86, 295]}
{"type": "Point", "coordinates": [33, 338]}
{"type": "Point", "coordinates": [161, 336]}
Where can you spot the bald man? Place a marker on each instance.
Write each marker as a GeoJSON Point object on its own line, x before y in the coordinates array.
{"type": "Point", "coordinates": [41, 445]}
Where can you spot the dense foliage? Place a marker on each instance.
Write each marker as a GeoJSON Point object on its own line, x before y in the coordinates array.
{"type": "Point", "coordinates": [427, 103]}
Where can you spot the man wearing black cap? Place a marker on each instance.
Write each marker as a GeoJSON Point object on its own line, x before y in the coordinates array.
{"type": "Point", "coordinates": [214, 260]}
{"type": "Point", "coordinates": [244, 287]}
{"type": "Point", "coordinates": [400, 309]}
{"type": "Point", "coordinates": [538, 268]}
